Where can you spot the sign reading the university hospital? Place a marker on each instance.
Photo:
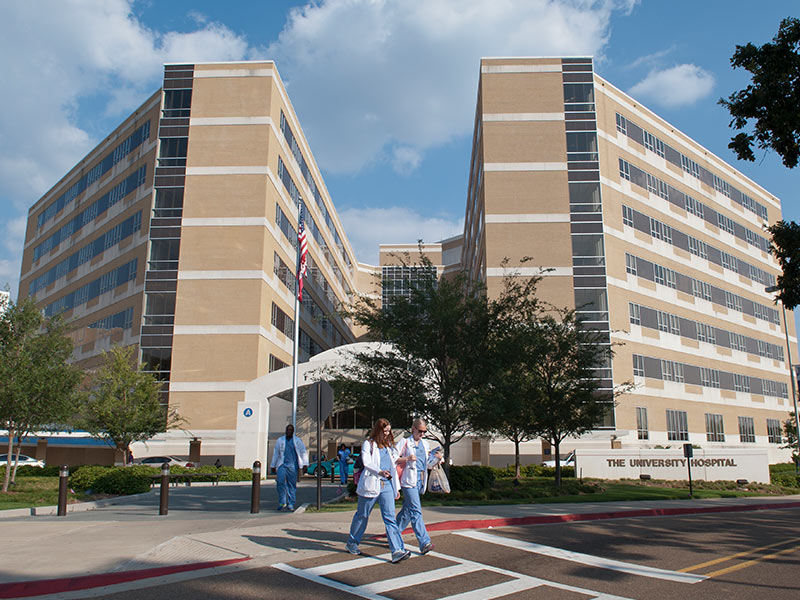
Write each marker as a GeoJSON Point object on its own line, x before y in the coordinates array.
{"type": "Point", "coordinates": [713, 464]}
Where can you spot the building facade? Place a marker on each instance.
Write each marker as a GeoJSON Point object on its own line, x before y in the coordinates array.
{"type": "Point", "coordinates": [648, 235]}
{"type": "Point", "coordinates": [177, 235]}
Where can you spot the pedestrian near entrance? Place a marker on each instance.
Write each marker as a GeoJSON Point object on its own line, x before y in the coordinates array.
{"type": "Point", "coordinates": [288, 459]}
{"type": "Point", "coordinates": [414, 481]}
{"type": "Point", "coordinates": [378, 484]}
{"type": "Point", "coordinates": [344, 454]}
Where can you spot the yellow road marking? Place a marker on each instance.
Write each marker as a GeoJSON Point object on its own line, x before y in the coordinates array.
{"type": "Point", "coordinates": [716, 561]}
{"type": "Point", "coordinates": [750, 563]}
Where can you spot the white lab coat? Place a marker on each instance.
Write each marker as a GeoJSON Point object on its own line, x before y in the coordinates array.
{"type": "Point", "coordinates": [280, 448]}
{"type": "Point", "coordinates": [369, 486]}
{"type": "Point", "coordinates": [410, 472]}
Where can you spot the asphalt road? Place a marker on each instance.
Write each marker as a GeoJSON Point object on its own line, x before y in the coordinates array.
{"type": "Point", "coordinates": [745, 556]}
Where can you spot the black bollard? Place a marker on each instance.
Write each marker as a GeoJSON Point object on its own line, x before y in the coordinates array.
{"type": "Point", "coordinates": [63, 488]}
{"type": "Point", "coordinates": [255, 492]}
{"type": "Point", "coordinates": [163, 507]}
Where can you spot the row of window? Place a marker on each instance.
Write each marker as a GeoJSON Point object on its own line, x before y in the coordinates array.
{"type": "Point", "coordinates": [287, 278]}
{"type": "Point", "coordinates": [673, 195]}
{"type": "Point", "coordinates": [96, 208]}
{"type": "Point", "coordinates": [286, 325]}
{"type": "Point", "coordinates": [301, 162]}
{"type": "Point", "coordinates": [93, 289]}
{"type": "Point", "coordinates": [678, 427]}
{"type": "Point", "coordinates": [700, 289]}
{"type": "Point", "coordinates": [695, 330]}
{"type": "Point", "coordinates": [311, 225]}
{"type": "Point", "coordinates": [101, 168]}
{"type": "Point", "coordinates": [314, 272]}
{"type": "Point", "coordinates": [665, 370]}
{"type": "Point", "coordinates": [115, 235]}
{"type": "Point", "coordinates": [397, 280]}
{"type": "Point", "coordinates": [679, 239]}
{"type": "Point", "coordinates": [651, 142]}
{"type": "Point", "coordinates": [121, 320]}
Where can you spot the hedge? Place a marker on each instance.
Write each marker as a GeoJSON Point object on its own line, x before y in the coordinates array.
{"type": "Point", "coordinates": [471, 477]}
{"type": "Point", "coordinates": [31, 471]}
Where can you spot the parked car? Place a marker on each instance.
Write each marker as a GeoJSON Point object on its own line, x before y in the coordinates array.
{"type": "Point", "coordinates": [157, 461]}
{"type": "Point", "coordinates": [327, 465]}
{"type": "Point", "coordinates": [23, 460]}
{"type": "Point", "coordinates": [569, 461]}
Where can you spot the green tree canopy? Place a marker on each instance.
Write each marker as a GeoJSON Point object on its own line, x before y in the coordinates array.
{"type": "Point", "coordinates": [785, 247]}
{"type": "Point", "coordinates": [432, 365]}
{"type": "Point", "coordinates": [771, 100]}
{"type": "Point", "coordinates": [37, 385]}
{"type": "Point", "coordinates": [122, 405]}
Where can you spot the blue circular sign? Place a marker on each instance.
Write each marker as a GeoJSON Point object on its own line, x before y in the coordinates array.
{"type": "Point", "coordinates": [248, 412]}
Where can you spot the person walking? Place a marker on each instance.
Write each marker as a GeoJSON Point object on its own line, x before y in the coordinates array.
{"type": "Point", "coordinates": [414, 481]}
{"type": "Point", "coordinates": [288, 459]}
{"type": "Point", "coordinates": [380, 484]}
{"type": "Point", "coordinates": [344, 454]}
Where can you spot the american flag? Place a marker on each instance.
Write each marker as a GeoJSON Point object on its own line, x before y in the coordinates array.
{"type": "Point", "coordinates": [303, 243]}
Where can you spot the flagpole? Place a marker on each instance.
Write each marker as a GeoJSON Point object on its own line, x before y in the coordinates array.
{"type": "Point", "coordinates": [294, 358]}
{"type": "Point", "coordinates": [302, 249]}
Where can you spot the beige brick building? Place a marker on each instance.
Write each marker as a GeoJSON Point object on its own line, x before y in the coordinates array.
{"type": "Point", "coordinates": [177, 235]}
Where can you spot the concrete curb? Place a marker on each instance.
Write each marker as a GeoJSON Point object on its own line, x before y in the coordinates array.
{"type": "Point", "coordinates": [38, 511]}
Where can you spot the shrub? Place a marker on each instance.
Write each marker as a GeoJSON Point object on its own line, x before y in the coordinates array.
{"type": "Point", "coordinates": [84, 477]}
{"type": "Point", "coordinates": [31, 471]}
{"type": "Point", "coordinates": [786, 479]}
{"type": "Point", "coordinates": [233, 474]}
{"type": "Point", "coordinates": [122, 481]}
{"type": "Point", "coordinates": [471, 477]}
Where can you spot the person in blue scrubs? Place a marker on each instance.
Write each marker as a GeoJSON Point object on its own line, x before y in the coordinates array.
{"type": "Point", "coordinates": [344, 454]}
{"type": "Point", "coordinates": [288, 459]}
{"type": "Point", "coordinates": [379, 484]}
{"type": "Point", "coordinates": [414, 481]}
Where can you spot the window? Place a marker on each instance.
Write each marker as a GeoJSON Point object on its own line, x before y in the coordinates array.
{"type": "Point", "coordinates": [622, 126]}
{"type": "Point", "coordinates": [741, 383]}
{"type": "Point", "coordinates": [627, 216]}
{"type": "Point", "coordinates": [653, 144]}
{"type": "Point", "coordinates": [730, 262]}
{"type": "Point", "coordinates": [722, 186]}
{"type": "Point", "coordinates": [672, 371]}
{"type": "Point", "coordinates": [774, 431]}
{"type": "Point", "coordinates": [697, 247]}
{"type": "Point", "coordinates": [638, 365]}
{"type": "Point", "coordinates": [733, 301]}
{"type": "Point", "coordinates": [587, 194]}
{"type": "Point", "coordinates": [706, 333]}
{"type": "Point", "coordinates": [282, 322]}
{"type": "Point", "coordinates": [747, 430]}
{"type": "Point", "coordinates": [624, 169]}
{"type": "Point", "coordinates": [641, 423]}
{"type": "Point", "coordinates": [694, 207]}
{"type": "Point", "coordinates": [581, 141]}
{"type": "Point", "coordinates": [714, 429]}
{"type": "Point", "coordinates": [677, 425]}
{"type": "Point", "coordinates": [668, 323]}
{"type": "Point", "coordinates": [660, 231]}
{"type": "Point", "coordinates": [630, 263]}
{"type": "Point", "coordinates": [691, 167]}
{"type": "Point", "coordinates": [709, 377]}
{"type": "Point", "coordinates": [665, 276]}
{"type": "Point", "coordinates": [725, 223]}
{"type": "Point", "coordinates": [578, 92]}
{"type": "Point", "coordinates": [635, 316]}
{"type": "Point", "coordinates": [588, 249]}
{"type": "Point", "coordinates": [276, 363]}
{"type": "Point", "coordinates": [700, 289]}
{"type": "Point", "coordinates": [738, 342]}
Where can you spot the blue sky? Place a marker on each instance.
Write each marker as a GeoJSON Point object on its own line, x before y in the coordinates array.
{"type": "Point", "coordinates": [385, 89]}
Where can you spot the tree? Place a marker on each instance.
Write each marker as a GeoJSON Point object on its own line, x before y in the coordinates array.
{"type": "Point", "coordinates": [122, 405]}
{"type": "Point", "coordinates": [790, 436]}
{"type": "Point", "coordinates": [785, 247]}
{"type": "Point", "coordinates": [771, 100]}
{"type": "Point", "coordinates": [37, 385]}
{"type": "Point", "coordinates": [431, 366]}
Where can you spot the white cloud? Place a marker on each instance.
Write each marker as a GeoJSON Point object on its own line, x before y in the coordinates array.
{"type": "Point", "coordinates": [678, 86]}
{"type": "Point", "coordinates": [368, 227]}
{"type": "Point", "coordinates": [61, 54]}
{"type": "Point", "coordinates": [369, 76]}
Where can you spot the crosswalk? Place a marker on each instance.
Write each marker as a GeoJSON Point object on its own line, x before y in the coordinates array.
{"type": "Point", "coordinates": [511, 582]}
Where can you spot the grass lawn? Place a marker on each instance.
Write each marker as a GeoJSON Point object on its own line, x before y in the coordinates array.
{"type": "Point", "coordinates": [540, 490]}
{"type": "Point", "coordinates": [34, 491]}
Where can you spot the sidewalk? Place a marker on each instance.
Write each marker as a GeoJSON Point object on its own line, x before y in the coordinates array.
{"type": "Point", "coordinates": [211, 527]}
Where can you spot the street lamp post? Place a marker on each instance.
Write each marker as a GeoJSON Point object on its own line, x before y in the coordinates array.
{"type": "Point", "coordinates": [772, 289]}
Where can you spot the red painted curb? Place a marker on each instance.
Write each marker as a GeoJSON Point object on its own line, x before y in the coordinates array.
{"type": "Point", "coordinates": [25, 589]}
{"type": "Point", "coordinates": [646, 512]}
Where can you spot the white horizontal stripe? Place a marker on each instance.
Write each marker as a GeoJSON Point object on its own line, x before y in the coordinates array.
{"type": "Point", "coordinates": [528, 218]}
{"type": "Point", "coordinates": [233, 73]}
{"type": "Point", "coordinates": [529, 271]}
{"type": "Point", "coordinates": [208, 386]}
{"type": "Point", "coordinates": [196, 121]}
{"type": "Point", "coordinates": [388, 585]}
{"type": "Point", "coordinates": [254, 170]}
{"type": "Point", "coordinates": [225, 222]}
{"type": "Point", "coordinates": [311, 576]}
{"type": "Point", "coordinates": [498, 590]}
{"type": "Point", "coordinates": [490, 117]}
{"type": "Point", "coordinates": [348, 565]}
{"type": "Point", "coordinates": [521, 69]}
{"type": "Point", "coordinates": [585, 559]}
{"type": "Point", "coordinates": [525, 166]}
{"type": "Point", "coordinates": [220, 330]}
